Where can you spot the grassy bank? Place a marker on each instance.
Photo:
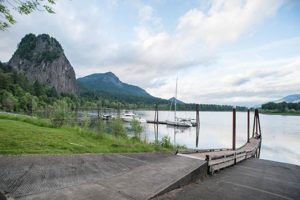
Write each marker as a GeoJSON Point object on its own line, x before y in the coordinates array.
{"type": "Point", "coordinates": [27, 135]}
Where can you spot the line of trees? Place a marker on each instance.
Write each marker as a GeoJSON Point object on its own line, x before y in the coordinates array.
{"type": "Point", "coordinates": [281, 107]}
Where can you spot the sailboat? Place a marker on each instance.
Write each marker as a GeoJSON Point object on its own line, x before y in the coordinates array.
{"type": "Point", "coordinates": [178, 121]}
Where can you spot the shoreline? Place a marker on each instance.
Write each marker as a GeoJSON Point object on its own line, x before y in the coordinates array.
{"type": "Point", "coordinates": [280, 113]}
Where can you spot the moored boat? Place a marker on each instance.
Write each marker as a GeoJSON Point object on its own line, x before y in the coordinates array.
{"type": "Point", "coordinates": [178, 121]}
{"type": "Point", "coordinates": [129, 116]}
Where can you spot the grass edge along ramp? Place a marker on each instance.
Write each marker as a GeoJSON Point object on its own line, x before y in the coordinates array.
{"type": "Point", "coordinates": [21, 134]}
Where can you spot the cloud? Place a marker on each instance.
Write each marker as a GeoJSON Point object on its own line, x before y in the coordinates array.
{"type": "Point", "coordinates": [225, 21]}
{"type": "Point", "coordinates": [238, 81]}
{"type": "Point", "coordinates": [129, 39]}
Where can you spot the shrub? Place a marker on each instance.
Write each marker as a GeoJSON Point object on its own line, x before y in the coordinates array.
{"type": "Point", "coordinates": [86, 121]}
{"type": "Point", "coordinates": [100, 126]}
{"type": "Point", "coordinates": [137, 128]}
{"type": "Point", "coordinates": [166, 142]}
{"type": "Point", "coordinates": [61, 114]}
{"type": "Point", "coordinates": [118, 129]}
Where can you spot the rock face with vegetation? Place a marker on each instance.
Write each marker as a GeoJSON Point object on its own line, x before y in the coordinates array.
{"type": "Point", "coordinates": [41, 58]}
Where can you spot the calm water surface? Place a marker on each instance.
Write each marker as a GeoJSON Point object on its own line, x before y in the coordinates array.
{"type": "Point", "coordinates": [280, 134]}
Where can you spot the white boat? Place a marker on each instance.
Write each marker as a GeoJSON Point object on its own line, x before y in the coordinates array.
{"type": "Point", "coordinates": [129, 116]}
{"type": "Point", "coordinates": [178, 121]}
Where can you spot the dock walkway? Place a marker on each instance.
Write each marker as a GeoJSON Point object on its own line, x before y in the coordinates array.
{"type": "Point", "coordinates": [220, 158]}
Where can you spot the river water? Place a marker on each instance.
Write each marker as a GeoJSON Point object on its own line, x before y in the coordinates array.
{"type": "Point", "coordinates": [280, 134]}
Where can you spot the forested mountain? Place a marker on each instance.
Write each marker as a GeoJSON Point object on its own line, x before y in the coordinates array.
{"type": "Point", "coordinates": [172, 100]}
{"type": "Point", "coordinates": [109, 83]}
{"type": "Point", "coordinates": [294, 98]}
{"type": "Point", "coordinates": [109, 86]}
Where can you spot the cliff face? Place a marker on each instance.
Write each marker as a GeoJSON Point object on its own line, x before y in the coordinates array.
{"type": "Point", "coordinates": [41, 58]}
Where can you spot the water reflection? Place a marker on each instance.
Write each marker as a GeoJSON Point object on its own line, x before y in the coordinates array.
{"type": "Point", "coordinates": [156, 132]}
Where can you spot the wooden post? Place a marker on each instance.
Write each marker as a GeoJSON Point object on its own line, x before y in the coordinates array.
{"type": "Point", "coordinates": [233, 128]}
{"type": "Point", "coordinates": [248, 126]}
{"type": "Point", "coordinates": [197, 116]}
{"type": "Point", "coordinates": [156, 123]}
{"type": "Point", "coordinates": [156, 114]}
{"type": "Point", "coordinates": [254, 122]}
{"type": "Point", "coordinates": [207, 162]}
{"type": "Point", "coordinates": [256, 128]}
{"type": "Point", "coordinates": [258, 122]}
{"type": "Point", "coordinates": [197, 124]}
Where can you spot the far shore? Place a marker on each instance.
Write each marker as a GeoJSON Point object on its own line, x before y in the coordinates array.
{"type": "Point", "coordinates": [280, 113]}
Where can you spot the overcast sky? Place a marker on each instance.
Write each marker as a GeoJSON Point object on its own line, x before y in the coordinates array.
{"type": "Point", "coordinates": [239, 52]}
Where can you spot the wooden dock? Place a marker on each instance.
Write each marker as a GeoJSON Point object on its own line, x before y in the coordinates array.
{"type": "Point", "coordinates": [220, 158]}
{"type": "Point", "coordinates": [164, 122]}
{"type": "Point", "coordinates": [156, 122]}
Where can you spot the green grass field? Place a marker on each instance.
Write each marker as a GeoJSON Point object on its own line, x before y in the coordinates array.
{"type": "Point", "coordinates": [27, 135]}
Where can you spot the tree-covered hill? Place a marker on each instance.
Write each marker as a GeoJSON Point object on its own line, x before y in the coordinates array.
{"type": "Point", "coordinates": [108, 86]}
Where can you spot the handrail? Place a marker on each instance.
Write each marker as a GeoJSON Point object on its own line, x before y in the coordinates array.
{"type": "Point", "coordinates": [218, 162]}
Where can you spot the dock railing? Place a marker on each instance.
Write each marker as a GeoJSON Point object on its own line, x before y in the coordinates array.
{"type": "Point", "coordinates": [218, 159]}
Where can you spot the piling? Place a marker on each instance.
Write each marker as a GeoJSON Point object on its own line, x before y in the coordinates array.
{"type": "Point", "coordinates": [156, 123]}
{"type": "Point", "coordinates": [256, 127]}
{"type": "Point", "coordinates": [156, 113]}
{"type": "Point", "coordinates": [197, 124]}
{"type": "Point", "coordinates": [254, 123]}
{"type": "Point", "coordinates": [233, 128]}
{"type": "Point", "coordinates": [258, 122]}
{"type": "Point", "coordinates": [248, 126]}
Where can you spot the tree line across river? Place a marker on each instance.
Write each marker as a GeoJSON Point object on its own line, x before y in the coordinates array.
{"type": "Point", "coordinates": [282, 107]}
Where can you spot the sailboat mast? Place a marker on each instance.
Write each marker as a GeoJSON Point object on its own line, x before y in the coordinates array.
{"type": "Point", "coordinates": [175, 98]}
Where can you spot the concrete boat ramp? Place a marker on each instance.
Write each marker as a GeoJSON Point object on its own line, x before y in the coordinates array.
{"type": "Point", "coordinates": [96, 176]}
{"type": "Point", "coordinates": [143, 176]}
{"type": "Point", "coordinates": [250, 179]}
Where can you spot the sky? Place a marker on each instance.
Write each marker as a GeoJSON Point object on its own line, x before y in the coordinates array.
{"type": "Point", "coordinates": [237, 52]}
